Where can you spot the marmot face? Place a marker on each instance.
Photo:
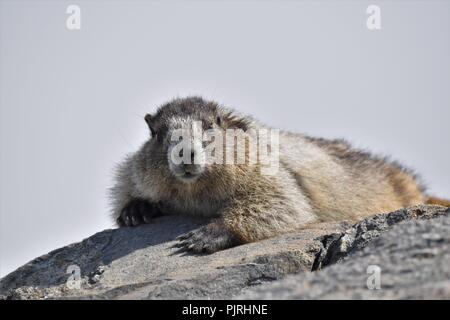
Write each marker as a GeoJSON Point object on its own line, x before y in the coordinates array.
{"type": "Point", "coordinates": [182, 132]}
{"type": "Point", "coordinates": [186, 156]}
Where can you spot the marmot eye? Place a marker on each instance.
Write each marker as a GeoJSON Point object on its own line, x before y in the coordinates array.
{"type": "Point", "coordinates": [207, 125]}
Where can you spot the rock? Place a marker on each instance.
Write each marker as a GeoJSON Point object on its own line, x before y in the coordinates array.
{"type": "Point", "coordinates": [140, 262]}
{"type": "Point", "coordinates": [339, 246]}
{"type": "Point", "coordinates": [413, 260]}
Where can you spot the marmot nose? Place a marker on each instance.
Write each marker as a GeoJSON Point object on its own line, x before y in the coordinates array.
{"type": "Point", "coordinates": [192, 157]}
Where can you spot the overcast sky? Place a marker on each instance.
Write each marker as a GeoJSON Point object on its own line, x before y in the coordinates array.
{"type": "Point", "coordinates": [72, 102]}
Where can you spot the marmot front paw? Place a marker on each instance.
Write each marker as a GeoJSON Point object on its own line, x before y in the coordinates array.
{"type": "Point", "coordinates": [210, 238]}
{"type": "Point", "coordinates": [137, 212]}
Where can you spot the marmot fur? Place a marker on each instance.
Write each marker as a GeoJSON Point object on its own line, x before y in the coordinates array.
{"type": "Point", "coordinates": [317, 180]}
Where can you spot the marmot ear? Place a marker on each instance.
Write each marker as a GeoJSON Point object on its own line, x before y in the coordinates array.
{"type": "Point", "coordinates": [149, 119]}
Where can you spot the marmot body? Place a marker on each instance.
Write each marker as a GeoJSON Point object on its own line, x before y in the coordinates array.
{"type": "Point", "coordinates": [317, 180]}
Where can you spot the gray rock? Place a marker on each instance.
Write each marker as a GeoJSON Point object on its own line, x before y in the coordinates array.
{"type": "Point", "coordinates": [140, 262]}
{"type": "Point", "coordinates": [339, 246]}
{"type": "Point", "coordinates": [413, 259]}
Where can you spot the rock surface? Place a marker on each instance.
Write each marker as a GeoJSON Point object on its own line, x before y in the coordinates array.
{"type": "Point", "coordinates": [413, 261]}
{"type": "Point", "coordinates": [140, 263]}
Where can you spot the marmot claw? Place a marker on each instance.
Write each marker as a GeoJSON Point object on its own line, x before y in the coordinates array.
{"type": "Point", "coordinates": [207, 239]}
{"type": "Point", "coordinates": [138, 212]}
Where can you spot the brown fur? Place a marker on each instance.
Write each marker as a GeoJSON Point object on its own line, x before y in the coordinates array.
{"type": "Point", "coordinates": [437, 201]}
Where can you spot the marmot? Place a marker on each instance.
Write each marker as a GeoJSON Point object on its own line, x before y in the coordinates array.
{"type": "Point", "coordinates": [317, 180]}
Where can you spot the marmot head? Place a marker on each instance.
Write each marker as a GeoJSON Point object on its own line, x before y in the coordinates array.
{"type": "Point", "coordinates": [187, 133]}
